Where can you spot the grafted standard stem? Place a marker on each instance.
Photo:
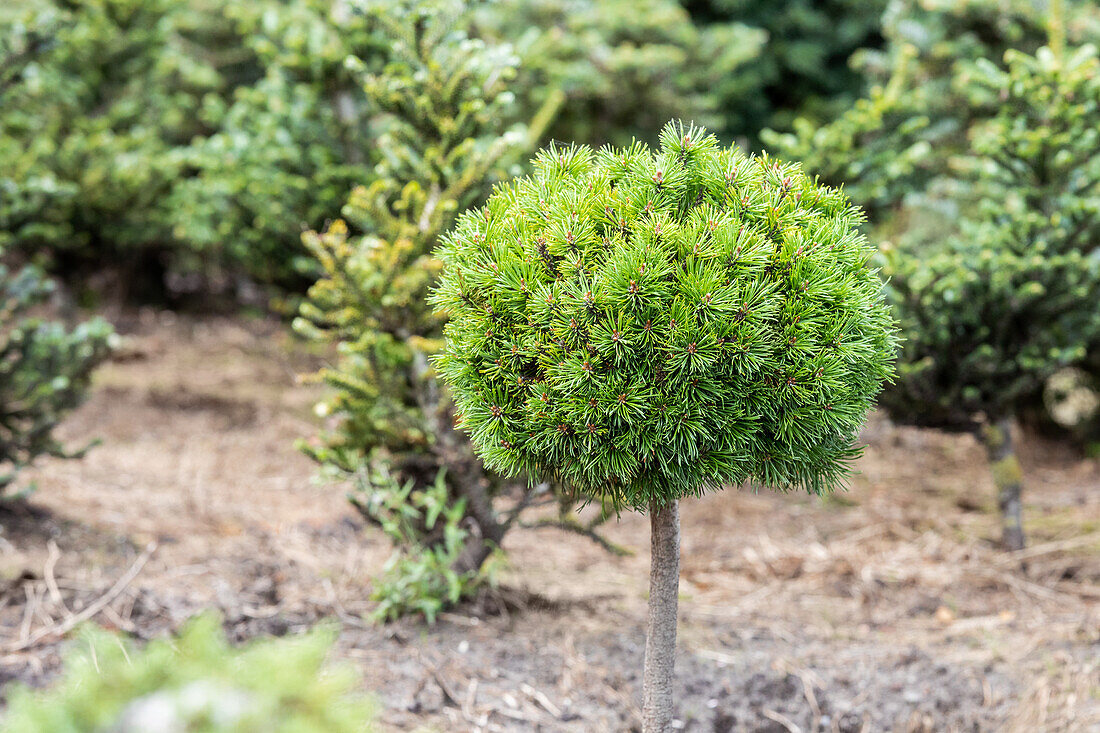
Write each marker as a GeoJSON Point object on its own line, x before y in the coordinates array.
{"type": "Point", "coordinates": [660, 642]}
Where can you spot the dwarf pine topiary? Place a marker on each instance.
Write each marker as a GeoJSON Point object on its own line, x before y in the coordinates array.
{"type": "Point", "coordinates": [991, 313]}
{"type": "Point", "coordinates": [45, 369]}
{"type": "Point", "coordinates": [649, 324]}
{"type": "Point", "coordinates": [195, 682]}
{"type": "Point", "coordinates": [653, 324]}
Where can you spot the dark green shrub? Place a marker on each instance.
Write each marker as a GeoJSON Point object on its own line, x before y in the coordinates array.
{"type": "Point", "coordinates": [1009, 299]}
{"type": "Point", "coordinates": [913, 125]}
{"type": "Point", "coordinates": [647, 325]}
{"type": "Point", "coordinates": [195, 682]}
{"type": "Point", "coordinates": [625, 66]}
{"type": "Point", "coordinates": [155, 138]}
{"type": "Point", "coordinates": [44, 370]}
{"type": "Point", "coordinates": [803, 67]}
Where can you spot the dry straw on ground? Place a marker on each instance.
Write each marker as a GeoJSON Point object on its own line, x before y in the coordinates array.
{"type": "Point", "coordinates": [883, 608]}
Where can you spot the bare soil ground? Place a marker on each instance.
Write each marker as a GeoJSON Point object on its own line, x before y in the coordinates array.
{"type": "Point", "coordinates": [885, 608]}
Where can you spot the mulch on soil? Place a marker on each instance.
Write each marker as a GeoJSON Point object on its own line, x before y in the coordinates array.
{"type": "Point", "coordinates": [887, 607]}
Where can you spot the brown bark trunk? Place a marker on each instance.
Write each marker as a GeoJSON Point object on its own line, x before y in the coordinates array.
{"type": "Point", "coordinates": [660, 643]}
{"type": "Point", "coordinates": [474, 554]}
{"type": "Point", "coordinates": [1008, 478]}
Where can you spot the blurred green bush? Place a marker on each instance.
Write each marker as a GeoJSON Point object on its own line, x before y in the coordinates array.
{"type": "Point", "coordinates": [802, 68]}
{"type": "Point", "coordinates": [998, 303]}
{"type": "Point", "coordinates": [45, 369]}
{"type": "Point", "coordinates": [912, 127]}
{"type": "Point", "coordinates": [1001, 302]}
{"type": "Point", "coordinates": [96, 98]}
{"type": "Point", "coordinates": [194, 682]}
{"type": "Point", "coordinates": [287, 148]}
{"type": "Point", "coordinates": [625, 66]}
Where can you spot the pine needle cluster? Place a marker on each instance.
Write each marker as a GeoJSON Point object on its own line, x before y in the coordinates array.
{"type": "Point", "coordinates": [648, 324]}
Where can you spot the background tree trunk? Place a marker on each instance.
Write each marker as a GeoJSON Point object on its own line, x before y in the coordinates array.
{"type": "Point", "coordinates": [660, 642]}
{"type": "Point", "coordinates": [1008, 478]}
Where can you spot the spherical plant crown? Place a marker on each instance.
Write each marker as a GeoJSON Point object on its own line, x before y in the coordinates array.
{"type": "Point", "coordinates": [648, 324]}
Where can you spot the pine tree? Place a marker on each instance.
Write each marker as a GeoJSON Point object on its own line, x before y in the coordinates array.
{"type": "Point", "coordinates": [447, 127]}
{"type": "Point", "coordinates": [44, 370]}
{"type": "Point", "coordinates": [1011, 297]}
{"type": "Point", "coordinates": [645, 325]}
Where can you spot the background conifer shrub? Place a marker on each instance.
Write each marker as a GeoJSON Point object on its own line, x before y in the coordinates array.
{"type": "Point", "coordinates": [625, 66]}
{"type": "Point", "coordinates": [286, 148]}
{"type": "Point", "coordinates": [195, 682]}
{"type": "Point", "coordinates": [97, 98]}
{"type": "Point", "coordinates": [449, 126]}
{"type": "Point", "coordinates": [802, 69]}
{"type": "Point", "coordinates": [45, 369]}
{"type": "Point", "coordinates": [998, 307]}
{"type": "Point", "coordinates": [645, 325]}
{"type": "Point", "coordinates": [911, 127]}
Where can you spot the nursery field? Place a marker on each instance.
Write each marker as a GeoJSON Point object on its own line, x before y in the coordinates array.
{"type": "Point", "coordinates": [884, 608]}
{"type": "Point", "coordinates": [549, 365]}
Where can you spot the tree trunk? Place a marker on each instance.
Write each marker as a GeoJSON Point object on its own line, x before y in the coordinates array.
{"type": "Point", "coordinates": [1008, 478]}
{"type": "Point", "coordinates": [660, 642]}
{"type": "Point", "coordinates": [466, 474]}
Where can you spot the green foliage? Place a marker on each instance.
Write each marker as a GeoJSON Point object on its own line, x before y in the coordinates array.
{"type": "Point", "coordinates": [288, 148]}
{"type": "Point", "coordinates": [647, 324]}
{"type": "Point", "coordinates": [803, 67]}
{"type": "Point", "coordinates": [371, 298]}
{"type": "Point", "coordinates": [996, 309]}
{"type": "Point", "coordinates": [913, 126]}
{"type": "Point", "coordinates": [425, 525]}
{"type": "Point", "coordinates": [276, 167]}
{"type": "Point", "coordinates": [152, 136]}
{"type": "Point", "coordinates": [446, 130]}
{"type": "Point", "coordinates": [196, 682]}
{"type": "Point", "coordinates": [881, 147]}
{"type": "Point", "coordinates": [44, 370]}
{"type": "Point", "coordinates": [96, 96]}
{"type": "Point", "coordinates": [625, 66]}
